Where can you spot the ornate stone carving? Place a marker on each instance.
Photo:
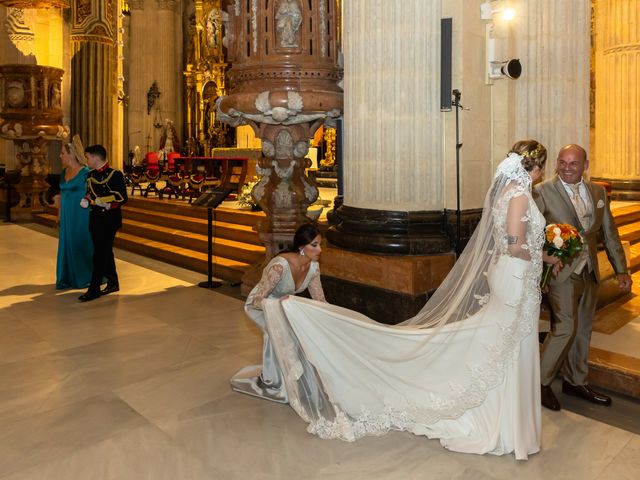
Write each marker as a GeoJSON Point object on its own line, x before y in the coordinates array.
{"type": "Point", "coordinates": [36, 3]}
{"type": "Point", "coordinates": [94, 21]}
{"type": "Point", "coordinates": [31, 116]}
{"type": "Point", "coordinates": [288, 21]}
{"type": "Point", "coordinates": [20, 33]}
{"type": "Point", "coordinates": [284, 87]}
{"type": "Point", "coordinates": [288, 113]}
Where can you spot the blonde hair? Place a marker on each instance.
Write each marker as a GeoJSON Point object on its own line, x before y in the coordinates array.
{"type": "Point", "coordinates": [76, 149]}
{"type": "Point", "coordinates": [533, 153]}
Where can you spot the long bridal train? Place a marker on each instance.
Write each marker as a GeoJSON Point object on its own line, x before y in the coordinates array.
{"type": "Point", "coordinates": [464, 370]}
{"type": "Point", "coordinates": [349, 376]}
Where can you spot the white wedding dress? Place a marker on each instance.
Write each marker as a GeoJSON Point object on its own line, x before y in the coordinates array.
{"type": "Point", "coordinates": [464, 370]}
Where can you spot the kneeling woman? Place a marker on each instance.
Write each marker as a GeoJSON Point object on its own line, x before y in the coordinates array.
{"type": "Point", "coordinates": [288, 273]}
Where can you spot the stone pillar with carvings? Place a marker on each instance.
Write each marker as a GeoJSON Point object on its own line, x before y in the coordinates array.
{"type": "Point", "coordinates": [285, 84]}
{"type": "Point", "coordinates": [393, 199]}
{"type": "Point", "coordinates": [617, 124]}
{"type": "Point", "coordinates": [94, 72]}
{"type": "Point", "coordinates": [25, 24]}
{"type": "Point", "coordinates": [552, 96]}
{"type": "Point", "coordinates": [31, 116]}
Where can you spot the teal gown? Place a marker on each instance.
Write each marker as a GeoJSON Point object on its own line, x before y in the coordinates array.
{"type": "Point", "coordinates": [75, 248]}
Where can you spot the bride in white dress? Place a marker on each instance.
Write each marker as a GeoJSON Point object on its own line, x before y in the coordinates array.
{"type": "Point", "coordinates": [464, 370]}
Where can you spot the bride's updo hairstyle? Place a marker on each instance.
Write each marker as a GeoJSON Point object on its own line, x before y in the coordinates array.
{"type": "Point", "coordinates": [532, 152]}
{"type": "Point", "coordinates": [304, 236]}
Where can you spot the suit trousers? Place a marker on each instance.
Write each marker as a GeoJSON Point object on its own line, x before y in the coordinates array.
{"type": "Point", "coordinates": [103, 230]}
{"type": "Point", "coordinates": [566, 348]}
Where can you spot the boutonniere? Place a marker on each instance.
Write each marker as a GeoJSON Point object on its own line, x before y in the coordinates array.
{"type": "Point", "coordinates": [600, 204]}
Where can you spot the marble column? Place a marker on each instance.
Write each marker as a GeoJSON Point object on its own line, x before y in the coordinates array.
{"type": "Point", "coordinates": [617, 88]}
{"type": "Point", "coordinates": [393, 199]}
{"type": "Point", "coordinates": [94, 73]}
{"type": "Point", "coordinates": [552, 40]}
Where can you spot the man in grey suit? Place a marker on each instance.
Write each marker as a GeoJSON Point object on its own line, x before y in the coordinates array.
{"type": "Point", "coordinates": [568, 198]}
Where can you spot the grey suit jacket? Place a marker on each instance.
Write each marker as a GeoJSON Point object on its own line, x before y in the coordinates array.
{"type": "Point", "coordinates": [556, 206]}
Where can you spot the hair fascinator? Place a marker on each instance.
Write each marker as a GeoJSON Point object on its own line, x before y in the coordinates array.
{"type": "Point", "coordinates": [77, 149]}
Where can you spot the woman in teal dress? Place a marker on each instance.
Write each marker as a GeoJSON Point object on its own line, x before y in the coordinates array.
{"type": "Point", "coordinates": [75, 248]}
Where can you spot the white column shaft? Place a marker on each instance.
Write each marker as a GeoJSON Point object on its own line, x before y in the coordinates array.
{"type": "Point", "coordinates": [552, 95]}
{"type": "Point", "coordinates": [392, 128]}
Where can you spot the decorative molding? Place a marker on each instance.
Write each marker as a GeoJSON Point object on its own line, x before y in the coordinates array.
{"type": "Point", "coordinates": [254, 24]}
{"type": "Point", "coordinates": [323, 28]}
{"type": "Point", "coordinates": [94, 21]}
{"type": "Point", "coordinates": [632, 47]}
{"type": "Point", "coordinates": [36, 3]}
{"type": "Point", "coordinates": [167, 4]}
{"type": "Point", "coordinates": [20, 33]}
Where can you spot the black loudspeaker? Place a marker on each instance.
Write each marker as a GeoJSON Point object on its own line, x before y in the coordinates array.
{"type": "Point", "coordinates": [512, 69]}
{"type": "Point", "coordinates": [445, 63]}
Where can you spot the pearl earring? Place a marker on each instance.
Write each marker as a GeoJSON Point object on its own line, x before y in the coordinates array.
{"type": "Point", "coordinates": [301, 252]}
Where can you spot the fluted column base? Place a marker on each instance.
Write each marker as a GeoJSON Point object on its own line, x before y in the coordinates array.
{"type": "Point", "coordinates": [390, 232]}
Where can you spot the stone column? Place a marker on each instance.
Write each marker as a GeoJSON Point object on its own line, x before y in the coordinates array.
{"type": "Point", "coordinates": [393, 199]}
{"type": "Point", "coordinates": [137, 81]}
{"type": "Point", "coordinates": [168, 41]}
{"type": "Point", "coordinates": [552, 95]}
{"type": "Point", "coordinates": [94, 73]}
{"type": "Point", "coordinates": [617, 96]}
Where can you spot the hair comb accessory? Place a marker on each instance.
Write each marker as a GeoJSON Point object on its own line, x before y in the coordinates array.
{"type": "Point", "coordinates": [533, 153]}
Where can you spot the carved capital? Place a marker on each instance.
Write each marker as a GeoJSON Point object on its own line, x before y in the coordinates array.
{"type": "Point", "coordinates": [94, 21]}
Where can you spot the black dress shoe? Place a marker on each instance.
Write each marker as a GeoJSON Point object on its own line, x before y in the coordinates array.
{"type": "Point", "coordinates": [110, 289]}
{"type": "Point", "coordinates": [586, 392]}
{"type": "Point", "coordinates": [88, 296]}
{"type": "Point", "coordinates": [549, 400]}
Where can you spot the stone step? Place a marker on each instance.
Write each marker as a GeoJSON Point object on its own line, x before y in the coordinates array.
{"type": "Point", "coordinates": [614, 371]}
{"type": "Point", "coordinates": [230, 231]}
{"type": "Point", "coordinates": [224, 268]}
{"type": "Point", "coordinates": [223, 214]}
{"type": "Point", "coordinates": [626, 214]}
{"type": "Point", "coordinates": [46, 218]}
{"type": "Point", "coordinates": [630, 232]}
{"type": "Point", "coordinates": [222, 247]}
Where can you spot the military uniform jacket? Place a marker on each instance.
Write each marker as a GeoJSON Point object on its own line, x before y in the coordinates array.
{"type": "Point", "coordinates": [107, 186]}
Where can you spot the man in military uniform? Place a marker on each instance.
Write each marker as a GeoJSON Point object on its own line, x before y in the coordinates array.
{"type": "Point", "coordinates": [106, 193]}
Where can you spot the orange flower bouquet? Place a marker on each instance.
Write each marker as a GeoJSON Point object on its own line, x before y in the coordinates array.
{"type": "Point", "coordinates": [560, 240]}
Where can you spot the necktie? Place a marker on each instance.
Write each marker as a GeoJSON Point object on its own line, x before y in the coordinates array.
{"type": "Point", "coordinates": [585, 220]}
{"type": "Point", "coordinates": [580, 206]}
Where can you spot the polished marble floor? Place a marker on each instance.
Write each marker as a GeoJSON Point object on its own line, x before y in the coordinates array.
{"type": "Point", "coordinates": [135, 386]}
